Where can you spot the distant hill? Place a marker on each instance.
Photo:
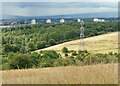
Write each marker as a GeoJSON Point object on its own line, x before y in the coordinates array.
{"type": "Point", "coordinates": [82, 15]}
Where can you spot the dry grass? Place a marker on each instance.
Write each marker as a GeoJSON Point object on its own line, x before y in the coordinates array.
{"type": "Point", "coordinates": [96, 74]}
{"type": "Point", "coordinates": [102, 43]}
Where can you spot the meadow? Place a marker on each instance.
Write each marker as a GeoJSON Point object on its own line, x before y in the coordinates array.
{"type": "Point", "coordinates": [92, 74]}
{"type": "Point", "coordinates": [98, 44]}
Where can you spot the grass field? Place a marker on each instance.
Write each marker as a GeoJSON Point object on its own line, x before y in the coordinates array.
{"type": "Point", "coordinates": [97, 44]}
{"type": "Point", "coordinates": [95, 74]}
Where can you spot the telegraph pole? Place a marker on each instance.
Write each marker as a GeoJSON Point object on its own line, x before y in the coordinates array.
{"type": "Point", "coordinates": [82, 35]}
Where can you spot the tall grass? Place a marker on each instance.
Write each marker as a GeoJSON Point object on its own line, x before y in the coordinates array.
{"type": "Point", "coordinates": [95, 74]}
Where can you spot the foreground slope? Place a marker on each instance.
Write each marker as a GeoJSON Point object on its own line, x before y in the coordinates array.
{"type": "Point", "coordinates": [96, 74]}
{"type": "Point", "coordinates": [102, 43]}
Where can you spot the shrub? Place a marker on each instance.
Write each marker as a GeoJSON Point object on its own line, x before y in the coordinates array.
{"type": "Point", "coordinates": [46, 62]}
{"type": "Point", "coordinates": [50, 54]}
{"type": "Point", "coordinates": [66, 54]}
{"type": "Point", "coordinates": [5, 66]}
{"type": "Point", "coordinates": [51, 42]}
{"type": "Point", "coordinates": [65, 50]}
{"type": "Point", "coordinates": [31, 46]}
{"type": "Point", "coordinates": [10, 48]}
{"type": "Point", "coordinates": [35, 57]}
{"type": "Point", "coordinates": [91, 59]}
{"type": "Point", "coordinates": [74, 53]}
{"type": "Point", "coordinates": [41, 45]}
{"type": "Point", "coordinates": [20, 61]}
{"type": "Point", "coordinates": [67, 62]}
{"type": "Point", "coordinates": [58, 62]}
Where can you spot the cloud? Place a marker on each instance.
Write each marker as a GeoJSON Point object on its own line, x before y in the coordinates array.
{"type": "Point", "coordinates": [60, 4]}
{"type": "Point", "coordinates": [0, 10]}
{"type": "Point", "coordinates": [56, 8]}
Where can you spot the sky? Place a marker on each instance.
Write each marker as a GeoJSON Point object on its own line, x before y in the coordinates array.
{"type": "Point", "coordinates": [55, 7]}
{"type": "Point", "coordinates": [60, 0]}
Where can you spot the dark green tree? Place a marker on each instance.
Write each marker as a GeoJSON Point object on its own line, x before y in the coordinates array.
{"type": "Point", "coordinates": [20, 61]}
{"type": "Point", "coordinates": [65, 50]}
{"type": "Point", "coordinates": [31, 46]}
{"type": "Point", "coordinates": [51, 42]}
{"type": "Point", "coordinates": [41, 45]}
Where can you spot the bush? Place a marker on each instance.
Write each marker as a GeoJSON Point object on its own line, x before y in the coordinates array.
{"type": "Point", "coordinates": [41, 45]}
{"type": "Point", "coordinates": [35, 57]}
{"type": "Point", "coordinates": [67, 62]}
{"type": "Point", "coordinates": [20, 61]}
{"type": "Point", "coordinates": [5, 66]}
{"type": "Point", "coordinates": [91, 59]}
{"type": "Point", "coordinates": [4, 60]}
{"type": "Point", "coordinates": [74, 53]}
{"type": "Point", "coordinates": [65, 50]}
{"type": "Point", "coordinates": [31, 46]}
{"type": "Point", "coordinates": [58, 62]}
{"type": "Point", "coordinates": [66, 54]}
{"type": "Point", "coordinates": [51, 42]}
{"type": "Point", "coordinates": [50, 54]}
{"type": "Point", "coordinates": [46, 62]}
{"type": "Point", "coordinates": [52, 59]}
{"type": "Point", "coordinates": [10, 48]}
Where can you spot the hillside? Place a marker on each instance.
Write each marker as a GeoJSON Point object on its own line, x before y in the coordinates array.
{"type": "Point", "coordinates": [29, 38]}
{"type": "Point", "coordinates": [102, 43]}
{"type": "Point", "coordinates": [96, 74]}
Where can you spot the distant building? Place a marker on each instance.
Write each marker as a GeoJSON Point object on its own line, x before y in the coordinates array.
{"type": "Point", "coordinates": [102, 20]}
{"type": "Point", "coordinates": [1, 22]}
{"type": "Point", "coordinates": [33, 21]}
{"type": "Point", "coordinates": [62, 20]}
{"type": "Point", "coordinates": [78, 20]}
{"type": "Point", "coordinates": [48, 21]}
{"type": "Point", "coordinates": [13, 23]}
{"type": "Point", "coordinates": [98, 20]}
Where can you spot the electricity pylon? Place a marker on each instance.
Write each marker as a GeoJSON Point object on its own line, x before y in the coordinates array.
{"type": "Point", "coordinates": [82, 35]}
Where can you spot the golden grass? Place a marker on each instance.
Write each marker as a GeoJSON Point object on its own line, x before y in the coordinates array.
{"type": "Point", "coordinates": [102, 43]}
{"type": "Point", "coordinates": [95, 74]}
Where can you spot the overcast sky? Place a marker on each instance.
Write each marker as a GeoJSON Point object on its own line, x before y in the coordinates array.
{"type": "Point", "coordinates": [57, 8]}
